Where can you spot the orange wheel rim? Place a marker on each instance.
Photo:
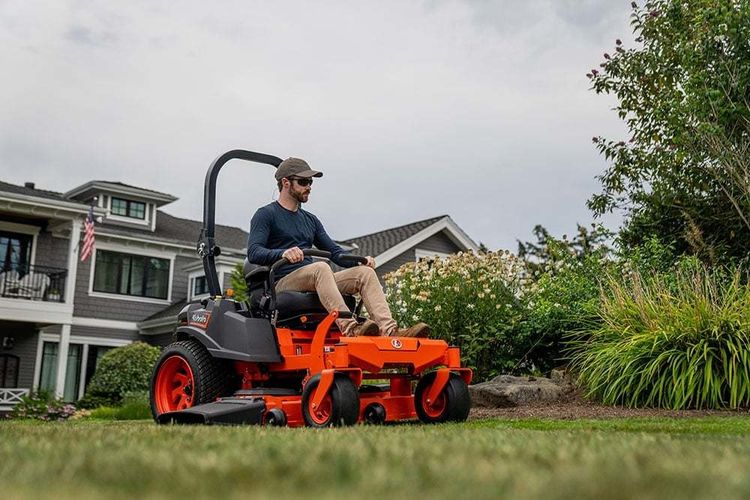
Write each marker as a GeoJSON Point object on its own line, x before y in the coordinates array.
{"type": "Point", "coordinates": [436, 408]}
{"type": "Point", "coordinates": [175, 385]}
{"type": "Point", "coordinates": [322, 414]}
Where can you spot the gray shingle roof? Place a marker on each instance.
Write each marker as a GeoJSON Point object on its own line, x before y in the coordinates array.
{"type": "Point", "coordinates": [186, 231]}
{"type": "Point", "coordinates": [376, 243]}
{"type": "Point", "coordinates": [13, 188]}
{"type": "Point", "coordinates": [168, 312]}
{"type": "Point", "coordinates": [134, 187]}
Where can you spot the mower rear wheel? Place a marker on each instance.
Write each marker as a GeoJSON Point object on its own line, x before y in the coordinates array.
{"type": "Point", "coordinates": [186, 375]}
{"type": "Point", "coordinates": [339, 407]}
{"type": "Point", "coordinates": [452, 404]}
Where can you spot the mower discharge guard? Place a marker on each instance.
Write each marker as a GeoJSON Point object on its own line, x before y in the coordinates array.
{"type": "Point", "coordinates": [227, 411]}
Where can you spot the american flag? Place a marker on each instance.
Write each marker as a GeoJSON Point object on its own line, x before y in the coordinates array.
{"type": "Point", "coordinates": [88, 235]}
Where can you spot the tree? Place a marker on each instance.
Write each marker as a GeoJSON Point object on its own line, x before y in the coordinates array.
{"type": "Point", "coordinates": [683, 92]}
{"type": "Point", "coordinates": [548, 251]}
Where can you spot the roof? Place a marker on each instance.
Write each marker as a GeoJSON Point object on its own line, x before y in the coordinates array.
{"type": "Point", "coordinates": [169, 312]}
{"type": "Point", "coordinates": [133, 187]}
{"type": "Point", "coordinates": [91, 187]}
{"type": "Point", "coordinates": [377, 243]}
{"type": "Point", "coordinates": [13, 188]}
{"type": "Point", "coordinates": [175, 229]}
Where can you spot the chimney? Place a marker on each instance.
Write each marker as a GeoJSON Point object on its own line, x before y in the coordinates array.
{"type": "Point", "coordinates": [29, 185]}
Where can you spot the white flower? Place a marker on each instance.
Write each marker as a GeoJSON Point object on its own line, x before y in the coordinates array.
{"type": "Point", "coordinates": [437, 307]}
{"type": "Point", "coordinates": [470, 306]}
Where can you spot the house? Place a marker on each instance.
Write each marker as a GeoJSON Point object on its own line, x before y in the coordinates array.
{"type": "Point", "coordinates": [59, 315]}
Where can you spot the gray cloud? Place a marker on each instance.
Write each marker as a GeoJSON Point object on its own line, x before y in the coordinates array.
{"type": "Point", "coordinates": [475, 109]}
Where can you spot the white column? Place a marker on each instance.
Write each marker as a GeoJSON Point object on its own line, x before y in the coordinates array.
{"type": "Point", "coordinates": [62, 360]}
{"type": "Point", "coordinates": [73, 253]}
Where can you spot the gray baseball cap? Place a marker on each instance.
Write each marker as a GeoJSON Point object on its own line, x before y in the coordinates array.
{"type": "Point", "coordinates": [296, 167]}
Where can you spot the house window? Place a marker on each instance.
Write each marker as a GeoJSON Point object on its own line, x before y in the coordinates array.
{"type": "Point", "coordinates": [8, 371]}
{"type": "Point", "coordinates": [15, 251]}
{"type": "Point", "coordinates": [73, 371]}
{"type": "Point", "coordinates": [128, 208]}
{"type": "Point", "coordinates": [127, 274]}
{"type": "Point", "coordinates": [200, 286]}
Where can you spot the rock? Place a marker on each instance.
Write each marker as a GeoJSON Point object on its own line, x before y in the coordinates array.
{"type": "Point", "coordinates": [561, 376]}
{"type": "Point", "coordinates": [506, 390]}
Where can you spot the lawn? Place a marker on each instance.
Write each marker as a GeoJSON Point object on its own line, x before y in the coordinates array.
{"type": "Point", "coordinates": [545, 459]}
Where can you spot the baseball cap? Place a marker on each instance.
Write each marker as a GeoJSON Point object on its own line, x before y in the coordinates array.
{"type": "Point", "coordinates": [295, 167]}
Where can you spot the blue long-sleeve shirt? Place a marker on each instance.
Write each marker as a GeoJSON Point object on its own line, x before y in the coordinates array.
{"type": "Point", "coordinates": [274, 229]}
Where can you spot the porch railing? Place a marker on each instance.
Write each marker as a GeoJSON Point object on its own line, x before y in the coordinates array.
{"type": "Point", "coordinates": [11, 397]}
{"type": "Point", "coordinates": [33, 283]}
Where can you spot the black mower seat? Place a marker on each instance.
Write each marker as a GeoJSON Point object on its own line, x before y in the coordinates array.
{"type": "Point", "coordinates": [290, 304]}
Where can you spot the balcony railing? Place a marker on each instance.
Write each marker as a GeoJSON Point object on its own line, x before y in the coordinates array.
{"type": "Point", "coordinates": [33, 283]}
{"type": "Point", "coordinates": [11, 397]}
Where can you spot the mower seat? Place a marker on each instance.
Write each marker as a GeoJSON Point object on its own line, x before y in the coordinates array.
{"type": "Point", "coordinates": [290, 304]}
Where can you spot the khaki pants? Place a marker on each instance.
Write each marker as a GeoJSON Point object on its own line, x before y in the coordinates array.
{"type": "Point", "coordinates": [319, 277]}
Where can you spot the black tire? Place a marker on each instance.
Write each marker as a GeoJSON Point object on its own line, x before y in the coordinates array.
{"type": "Point", "coordinates": [342, 403]}
{"type": "Point", "coordinates": [210, 377]}
{"type": "Point", "coordinates": [455, 400]}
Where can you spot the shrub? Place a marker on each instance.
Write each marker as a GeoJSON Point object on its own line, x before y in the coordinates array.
{"type": "Point", "coordinates": [673, 340]}
{"type": "Point", "coordinates": [42, 405]}
{"type": "Point", "coordinates": [474, 301]}
{"type": "Point", "coordinates": [120, 371]}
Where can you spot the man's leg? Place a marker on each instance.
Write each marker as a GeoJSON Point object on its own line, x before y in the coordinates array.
{"type": "Point", "coordinates": [318, 277]}
{"type": "Point", "coordinates": [364, 281]}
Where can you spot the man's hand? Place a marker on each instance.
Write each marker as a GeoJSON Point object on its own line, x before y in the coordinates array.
{"type": "Point", "coordinates": [370, 262]}
{"type": "Point", "coordinates": [293, 255]}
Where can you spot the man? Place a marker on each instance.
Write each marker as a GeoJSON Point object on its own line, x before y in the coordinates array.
{"type": "Point", "coordinates": [282, 229]}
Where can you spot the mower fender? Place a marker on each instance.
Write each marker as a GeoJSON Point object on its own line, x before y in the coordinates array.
{"type": "Point", "coordinates": [191, 332]}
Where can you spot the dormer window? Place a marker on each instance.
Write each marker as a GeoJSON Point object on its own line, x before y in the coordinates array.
{"type": "Point", "coordinates": [128, 208]}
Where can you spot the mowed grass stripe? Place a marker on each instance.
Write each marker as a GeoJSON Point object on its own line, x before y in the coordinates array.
{"type": "Point", "coordinates": [652, 458]}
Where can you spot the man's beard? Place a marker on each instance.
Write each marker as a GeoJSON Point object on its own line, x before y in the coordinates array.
{"type": "Point", "coordinates": [301, 196]}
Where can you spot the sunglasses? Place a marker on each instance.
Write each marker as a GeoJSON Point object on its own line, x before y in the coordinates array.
{"type": "Point", "coordinates": [302, 181]}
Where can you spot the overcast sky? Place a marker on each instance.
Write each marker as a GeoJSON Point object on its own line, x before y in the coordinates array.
{"type": "Point", "coordinates": [412, 109]}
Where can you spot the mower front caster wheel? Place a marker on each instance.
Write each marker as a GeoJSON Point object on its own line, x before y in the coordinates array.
{"type": "Point", "coordinates": [339, 407]}
{"type": "Point", "coordinates": [451, 405]}
{"type": "Point", "coordinates": [275, 418]}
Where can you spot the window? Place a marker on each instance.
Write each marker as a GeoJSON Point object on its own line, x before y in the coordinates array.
{"type": "Point", "coordinates": [73, 371]}
{"type": "Point", "coordinates": [126, 274]}
{"type": "Point", "coordinates": [8, 371]}
{"type": "Point", "coordinates": [200, 286]}
{"type": "Point", "coordinates": [15, 251]}
{"type": "Point", "coordinates": [128, 208]}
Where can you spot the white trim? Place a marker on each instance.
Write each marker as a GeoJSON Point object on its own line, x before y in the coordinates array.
{"type": "Point", "coordinates": [113, 247]}
{"type": "Point", "coordinates": [35, 311]}
{"type": "Point", "coordinates": [85, 339]}
{"type": "Point", "coordinates": [63, 346]}
{"type": "Point", "coordinates": [446, 223]}
{"type": "Point", "coordinates": [105, 323]}
{"type": "Point", "coordinates": [84, 366]}
{"type": "Point", "coordinates": [420, 253]}
{"type": "Point", "coordinates": [191, 277]}
{"type": "Point", "coordinates": [38, 205]}
{"type": "Point", "coordinates": [38, 363]}
{"type": "Point", "coordinates": [72, 276]}
{"type": "Point", "coordinates": [152, 209]}
{"type": "Point", "coordinates": [121, 190]}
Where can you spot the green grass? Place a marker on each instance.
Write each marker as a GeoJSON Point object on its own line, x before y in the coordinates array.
{"type": "Point", "coordinates": [545, 459]}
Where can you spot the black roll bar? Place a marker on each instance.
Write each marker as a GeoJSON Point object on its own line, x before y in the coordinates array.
{"type": "Point", "coordinates": [207, 249]}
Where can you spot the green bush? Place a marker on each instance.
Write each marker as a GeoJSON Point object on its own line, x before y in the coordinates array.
{"type": "Point", "coordinates": [42, 405]}
{"type": "Point", "coordinates": [678, 339]}
{"type": "Point", "coordinates": [474, 301]}
{"type": "Point", "coordinates": [123, 370]}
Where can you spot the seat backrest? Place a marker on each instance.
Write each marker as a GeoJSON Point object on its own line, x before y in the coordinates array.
{"type": "Point", "coordinates": [254, 274]}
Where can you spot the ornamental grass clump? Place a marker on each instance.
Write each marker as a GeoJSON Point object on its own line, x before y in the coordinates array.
{"type": "Point", "coordinates": [474, 301]}
{"type": "Point", "coordinates": [678, 340]}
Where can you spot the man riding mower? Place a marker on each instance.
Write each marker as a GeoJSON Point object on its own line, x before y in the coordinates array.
{"type": "Point", "coordinates": [281, 359]}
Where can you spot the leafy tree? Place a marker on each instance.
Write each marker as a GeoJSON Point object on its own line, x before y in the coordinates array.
{"type": "Point", "coordinates": [684, 94]}
{"type": "Point", "coordinates": [548, 252]}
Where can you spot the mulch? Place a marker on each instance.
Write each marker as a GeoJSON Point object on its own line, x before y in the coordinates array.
{"type": "Point", "coordinates": [579, 408]}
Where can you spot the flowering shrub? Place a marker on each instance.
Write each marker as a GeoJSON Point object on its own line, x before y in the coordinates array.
{"type": "Point", "coordinates": [474, 301]}
{"type": "Point", "coordinates": [42, 405]}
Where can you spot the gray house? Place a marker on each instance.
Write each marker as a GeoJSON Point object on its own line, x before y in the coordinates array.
{"type": "Point", "coordinates": [58, 315]}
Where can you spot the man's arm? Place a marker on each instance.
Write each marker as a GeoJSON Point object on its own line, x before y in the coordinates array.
{"type": "Point", "coordinates": [257, 242]}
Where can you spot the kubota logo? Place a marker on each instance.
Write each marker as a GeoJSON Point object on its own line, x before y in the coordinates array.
{"type": "Point", "coordinates": [396, 343]}
{"type": "Point", "coordinates": [200, 319]}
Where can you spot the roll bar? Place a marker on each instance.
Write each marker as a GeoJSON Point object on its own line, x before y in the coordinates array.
{"type": "Point", "coordinates": [207, 249]}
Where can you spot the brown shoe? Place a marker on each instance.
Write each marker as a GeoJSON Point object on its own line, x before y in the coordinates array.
{"type": "Point", "coordinates": [418, 330]}
{"type": "Point", "coordinates": [368, 328]}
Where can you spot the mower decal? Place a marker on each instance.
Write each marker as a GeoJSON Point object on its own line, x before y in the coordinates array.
{"type": "Point", "coordinates": [200, 319]}
{"type": "Point", "coordinates": [396, 343]}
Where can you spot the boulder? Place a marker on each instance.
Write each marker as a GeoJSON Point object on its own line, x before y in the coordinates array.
{"type": "Point", "coordinates": [506, 390]}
